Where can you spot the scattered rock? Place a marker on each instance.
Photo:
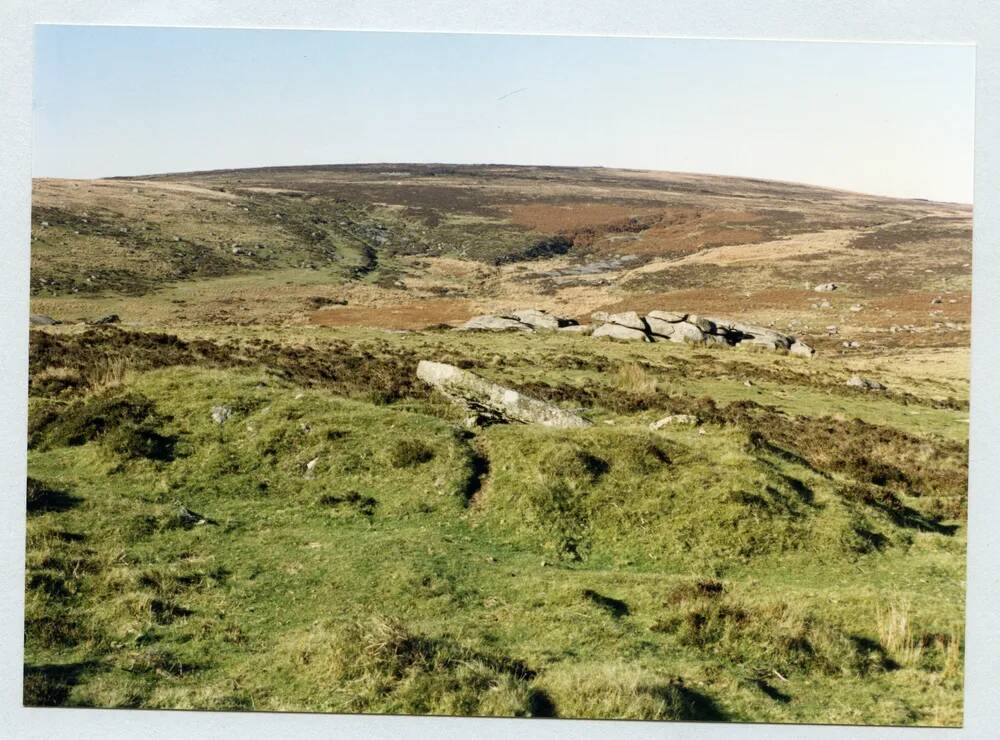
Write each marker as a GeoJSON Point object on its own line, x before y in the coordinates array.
{"type": "Point", "coordinates": [935, 301]}
{"type": "Point", "coordinates": [493, 401]}
{"type": "Point", "coordinates": [801, 349]}
{"type": "Point", "coordinates": [190, 518]}
{"type": "Point", "coordinates": [825, 287]}
{"type": "Point", "coordinates": [856, 381]}
{"type": "Point", "coordinates": [221, 413]}
{"type": "Point", "coordinates": [311, 467]}
{"type": "Point", "coordinates": [39, 319]}
{"type": "Point", "coordinates": [832, 329]}
{"type": "Point", "coordinates": [856, 307]}
{"type": "Point", "coordinates": [111, 318]}
{"type": "Point", "coordinates": [675, 419]}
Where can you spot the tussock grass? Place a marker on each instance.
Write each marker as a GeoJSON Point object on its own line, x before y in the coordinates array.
{"type": "Point", "coordinates": [109, 372]}
{"type": "Point", "coordinates": [388, 667]}
{"type": "Point", "coordinates": [626, 691]}
{"type": "Point", "coordinates": [773, 638]}
{"type": "Point", "coordinates": [633, 378]}
{"type": "Point", "coordinates": [895, 633]}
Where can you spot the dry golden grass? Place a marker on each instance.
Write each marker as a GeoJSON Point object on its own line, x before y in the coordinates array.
{"type": "Point", "coordinates": [743, 250]}
{"type": "Point", "coordinates": [896, 634]}
{"type": "Point", "coordinates": [111, 372]}
{"type": "Point", "coordinates": [632, 378]}
{"type": "Point", "coordinates": [410, 315]}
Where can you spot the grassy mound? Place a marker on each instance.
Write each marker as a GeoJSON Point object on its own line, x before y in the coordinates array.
{"type": "Point", "coordinates": [642, 496]}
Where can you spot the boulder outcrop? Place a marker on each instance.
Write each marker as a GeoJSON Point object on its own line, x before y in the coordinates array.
{"type": "Point", "coordinates": [523, 319]}
{"type": "Point", "coordinates": [655, 326]}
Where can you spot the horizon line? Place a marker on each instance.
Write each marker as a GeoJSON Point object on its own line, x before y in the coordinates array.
{"type": "Point", "coordinates": [818, 186]}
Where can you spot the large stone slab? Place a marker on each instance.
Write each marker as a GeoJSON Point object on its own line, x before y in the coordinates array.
{"type": "Point", "coordinates": [493, 401]}
{"type": "Point", "coordinates": [659, 327]}
{"type": "Point", "coordinates": [621, 333]}
{"type": "Point", "coordinates": [762, 334]}
{"type": "Point", "coordinates": [685, 332]}
{"type": "Point", "coordinates": [538, 319]}
{"type": "Point", "coordinates": [668, 316]}
{"type": "Point", "coordinates": [578, 329]}
{"type": "Point", "coordinates": [629, 319]}
{"type": "Point", "coordinates": [494, 323]}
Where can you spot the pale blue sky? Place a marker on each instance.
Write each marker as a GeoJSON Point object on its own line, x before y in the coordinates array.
{"type": "Point", "coordinates": [879, 118]}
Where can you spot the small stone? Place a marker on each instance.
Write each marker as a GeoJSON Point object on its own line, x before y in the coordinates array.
{"type": "Point", "coordinates": [220, 414]}
{"type": "Point", "coordinates": [856, 381]}
{"type": "Point", "coordinates": [801, 349]}
{"type": "Point", "coordinates": [311, 467]}
{"type": "Point", "coordinates": [675, 419]}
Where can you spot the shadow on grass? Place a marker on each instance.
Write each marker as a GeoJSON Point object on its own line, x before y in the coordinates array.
{"type": "Point", "coordinates": [50, 685]}
{"type": "Point", "coordinates": [615, 607]}
{"type": "Point", "coordinates": [41, 498]}
{"type": "Point", "coordinates": [899, 513]}
{"type": "Point", "coordinates": [771, 692]}
{"type": "Point", "coordinates": [685, 704]}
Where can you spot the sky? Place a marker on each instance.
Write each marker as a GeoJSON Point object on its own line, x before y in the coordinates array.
{"type": "Point", "coordinates": [889, 119]}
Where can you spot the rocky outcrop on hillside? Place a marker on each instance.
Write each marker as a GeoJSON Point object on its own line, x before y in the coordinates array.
{"type": "Point", "coordinates": [655, 326]}
{"type": "Point", "coordinates": [523, 319]}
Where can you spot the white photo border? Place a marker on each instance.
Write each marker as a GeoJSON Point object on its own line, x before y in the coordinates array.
{"type": "Point", "coordinates": [921, 21]}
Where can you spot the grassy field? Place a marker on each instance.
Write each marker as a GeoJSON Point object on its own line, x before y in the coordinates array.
{"type": "Point", "coordinates": [342, 542]}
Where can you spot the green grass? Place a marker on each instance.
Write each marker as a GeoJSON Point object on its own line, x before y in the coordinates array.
{"type": "Point", "coordinates": [523, 572]}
